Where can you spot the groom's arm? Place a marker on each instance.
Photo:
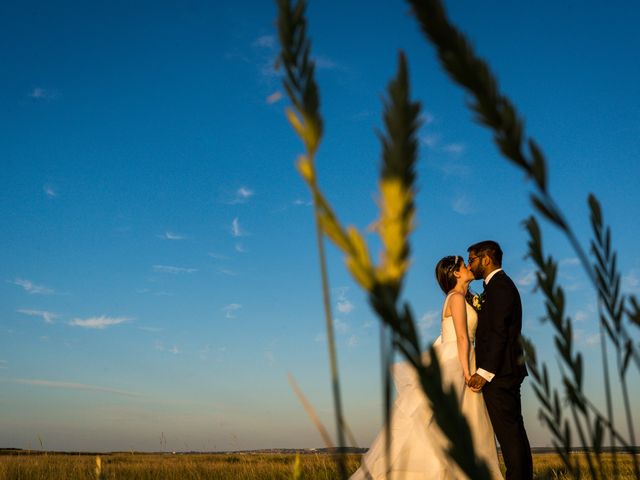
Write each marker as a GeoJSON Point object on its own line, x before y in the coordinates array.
{"type": "Point", "coordinates": [499, 312]}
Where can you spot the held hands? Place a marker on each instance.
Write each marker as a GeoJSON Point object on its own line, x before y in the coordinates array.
{"type": "Point", "coordinates": [476, 382]}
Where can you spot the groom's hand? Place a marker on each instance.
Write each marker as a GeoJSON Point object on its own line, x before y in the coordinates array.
{"type": "Point", "coordinates": [476, 382]}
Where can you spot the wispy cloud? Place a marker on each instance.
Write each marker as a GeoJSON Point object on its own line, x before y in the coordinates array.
{"type": "Point", "coordinates": [275, 97]}
{"type": "Point", "coordinates": [368, 324]}
{"type": "Point", "coordinates": [264, 41]}
{"type": "Point", "coordinates": [581, 316]}
{"type": "Point", "coordinates": [39, 93]}
{"type": "Point", "coordinates": [171, 236]}
{"type": "Point", "coordinates": [462, 205]}
{"type": "Point", "coordinates": [431, 140]}
{"type": "Point", "coordinates": [586, 339]}
{"type": "Point", "coordinates": [592, 340]}
{"type": "Point", "coordinates": [236, 229]}
{"type": "Point", "coordinates": [48, 317]}
{"type": "Point", "coordinates": [454, 148]}
{"type": "Point", "coordinates": [270, 357]}
{"type": "Point", "coordinates": [31, 287]}
{"type": "Point", "coordinates": [228, 272]}
{"type": "Point", "coordinates": [241, 195]}
{"type": "Point", "coordinates": [631, 281]}
{"type": "Point", "coordinates": [571, 261]}
{"type": "Point", "coordinates": [428, 320]}
{"type": "Point", "coordinates": [245, 193]}
{"type": "Point", "coordinates": [73, 386]}
{"type": "Point", "coordinates": [353, 341]}
{"type": "Point", "coordinates": [344, 305]}
{"type": "Point", "coordinates": [49, 191]}
{"type": "Point", "coordinates": [240, 248]}
{"type": "Point", "coordinates": [427, 118]}
{"type": "Point", "coordinates": [175, 350]}
{"type": "Point", "coordinates": [173, 270]}
{"type": "Point", "coordinates": [4, 364]}
{"type": "Point", "coordinates": [526, 278]}
{"type": "Point", "coordinates": [300, 202]}
{"type": "Point", "coordinates": [151, 329]}
{"type": "Point", "coordinates": [231, 309]}
{"type": "Point", "coordinates": [574, 287]}
{"type": "Point", "coordinates": [217, 256]}
{"type": "Point", "coordinates": [454, 168]}
{"type": "Point", "coordinates": [98, 323]}
{"type": "Point", "coordinates": [340, 326]}
{"type": "Point", "coordinates": [265, 56]}
{"type": "Point", "coordinates": [325, 63]}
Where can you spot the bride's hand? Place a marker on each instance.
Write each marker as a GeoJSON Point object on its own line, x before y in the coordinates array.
{"type": "Point", "coordinates": [467, 377]}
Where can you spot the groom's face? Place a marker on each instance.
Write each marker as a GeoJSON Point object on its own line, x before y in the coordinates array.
{"type": "Point", "coordinates": [475, 265]}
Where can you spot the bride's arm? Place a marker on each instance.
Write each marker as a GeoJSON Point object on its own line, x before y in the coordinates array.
{"type": "Point", "coordinates": [459, 314]}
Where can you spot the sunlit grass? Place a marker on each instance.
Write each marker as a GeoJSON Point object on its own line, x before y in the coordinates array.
{"type": "Point", "coordinates": [139, 466]}
{"type": "Point", "coordinates": [167, 466]}
{"type": "Point", "coordinates": [551, 466]}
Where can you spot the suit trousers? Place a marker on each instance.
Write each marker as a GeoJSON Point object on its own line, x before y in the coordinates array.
{"type": "Point", "coordinates": [502, 397]}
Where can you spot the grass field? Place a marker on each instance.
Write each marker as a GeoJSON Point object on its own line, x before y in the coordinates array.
{"type": "Point", "coordinates": [139, 466]}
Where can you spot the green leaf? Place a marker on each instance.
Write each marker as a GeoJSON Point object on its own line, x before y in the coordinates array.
{"type": "Point", "coordinates": [547, 210]}
{"type": "Point", "coordinates": [598, 433]}
{"type": "Point", "coordinates": [538, 166]}
{"type": "Point", "coordinates": [628, 349]}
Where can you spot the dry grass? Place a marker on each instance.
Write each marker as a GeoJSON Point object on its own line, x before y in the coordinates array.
{"type": "Point", "coordinates": [550, 466]}
{"type": "Point", "coordinates": [139, 466]}
{"type": "Point", "coordinates": [220, 466]}
{"type": "Point", "coordinates": [156, 466]}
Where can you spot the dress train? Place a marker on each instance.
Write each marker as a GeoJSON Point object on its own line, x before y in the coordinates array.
{"type": "Point", "coordinates": [417, 444]}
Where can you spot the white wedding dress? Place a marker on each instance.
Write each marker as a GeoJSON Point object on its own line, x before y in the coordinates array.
{"type": "Point", "coordinates": [417, 444]}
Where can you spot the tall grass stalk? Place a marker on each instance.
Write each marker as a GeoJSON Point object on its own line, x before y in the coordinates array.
{"type": "Point", "coordinates": [382, 282]}
{"type": "Point", "coordinates": [98, 471]}
{"type": "Point", "coordinates": [301, 87]}
{"type": "Point", "coordinates": [326, 438]}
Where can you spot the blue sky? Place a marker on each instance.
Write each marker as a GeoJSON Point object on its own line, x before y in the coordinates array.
{"type": "Point", "coordinates": [159, 271]}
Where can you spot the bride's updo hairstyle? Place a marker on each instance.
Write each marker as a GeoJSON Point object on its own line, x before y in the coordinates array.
{"type": "Point", "coordinates": [444, 272]}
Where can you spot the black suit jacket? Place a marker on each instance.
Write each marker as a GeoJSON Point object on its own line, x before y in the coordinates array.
{"type": "Point", "coordinates": [498, 347]}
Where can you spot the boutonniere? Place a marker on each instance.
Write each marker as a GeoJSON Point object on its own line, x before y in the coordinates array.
{"type": "Point", "coordinates": [476, 300]}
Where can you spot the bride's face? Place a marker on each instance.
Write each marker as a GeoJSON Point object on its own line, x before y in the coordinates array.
{"type": "Point", "coordinates": [465, 274]}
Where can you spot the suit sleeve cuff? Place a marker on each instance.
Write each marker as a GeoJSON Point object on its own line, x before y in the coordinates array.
{"type": "Point", "coordinates": [488, 376]}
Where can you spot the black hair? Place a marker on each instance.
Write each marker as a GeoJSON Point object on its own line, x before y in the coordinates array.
{"type": "Point", "coordinates": [488, 248]}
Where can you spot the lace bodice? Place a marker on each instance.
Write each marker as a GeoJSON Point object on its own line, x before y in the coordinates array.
{"type": "Point", "coordinates": [448, 332]}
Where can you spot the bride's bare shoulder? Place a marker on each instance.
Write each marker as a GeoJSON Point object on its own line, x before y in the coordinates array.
{"type": "Point", "coordinates": [456, 298]}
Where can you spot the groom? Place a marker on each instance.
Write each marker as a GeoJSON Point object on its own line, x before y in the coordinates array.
{"type": "Point", "coordinates": [499, 357]}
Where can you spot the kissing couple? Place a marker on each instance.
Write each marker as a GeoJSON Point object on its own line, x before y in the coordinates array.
{"type": "Point", "coordinates": [481, 358]}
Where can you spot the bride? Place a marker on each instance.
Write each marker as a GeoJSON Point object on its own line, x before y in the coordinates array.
{"type": "Point", "coordinates": [417, 450]}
